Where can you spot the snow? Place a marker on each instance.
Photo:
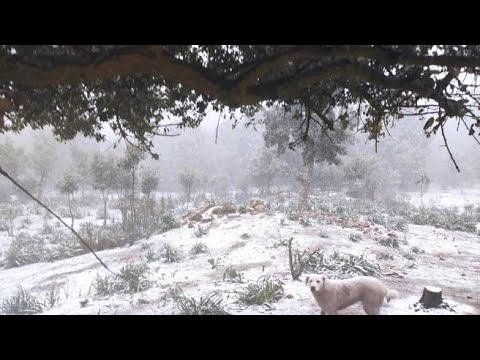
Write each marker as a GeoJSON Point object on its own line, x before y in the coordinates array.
{"type": "Point", "coordinates": [450, 262]}
{"type": "Point", "coordinates": [447, 198]}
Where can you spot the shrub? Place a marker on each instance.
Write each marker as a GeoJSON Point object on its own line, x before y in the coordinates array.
{"type": "Point", "coordinates": [231, 275]}
{"type": "Point", "coordinates": [389, 241]}
{"type": "Point", "coordinates": [131, 279]}
{"type": "Point", "coordinates": [207, 305]}
{"type": "Point", "coordinates": [22, 303]}
{"type": "Point", "coordinates": [264, 291]}
{"type": "Point", "coordinates": [25, 249]}
{"type": "Point", "coordinates": [199, 248]}
{"type": "Point", "coordinates": [171, 254]}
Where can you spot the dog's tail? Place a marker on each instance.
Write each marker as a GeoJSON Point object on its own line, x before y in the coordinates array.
{"type": "Point", "coordinates": [391, 294]}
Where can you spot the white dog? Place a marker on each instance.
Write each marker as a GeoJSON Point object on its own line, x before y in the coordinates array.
{"type": "Point", "coordinates": [333, 295]}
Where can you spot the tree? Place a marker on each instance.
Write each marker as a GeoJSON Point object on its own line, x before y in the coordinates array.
{"type": "Point", "coordinates": [12, 158]}
{"type": "Point", "coordinates": [265, 168]}
{"type": "Point", "coordinates": [133, 157]}
{"type": "Point", "coordinates": [405, 154]}
{"type": "Point", "coordinates": [104, 172]}
{"type": "Point", "coordinates": [69, 185]}
{"type": "Point", "coordinates": [42, 156]}
{"type": "Point", "coordinates": [187, 178]}
{"type": "Point", "coordinates": [81, 158]}
{"type": "Point", "coordinates": [318, 143]}
{"type": "Point", "coordinates": [133, 88]}
{"type": "Point", "coordinates": [149, 183]}
{"type": "Point", "coordinates": [219, 185]}
{"type": "Point", "coordinates": [367, 177]}
{"type": "Point", "coordinates": [127, 175]}
{"type": "Point", "coordinates": [423, 182]}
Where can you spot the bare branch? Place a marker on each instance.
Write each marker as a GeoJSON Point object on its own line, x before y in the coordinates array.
{"type": "Point", "coordinates": [218, 123]}
{"type": "Point", "coordinates": [446, 145]}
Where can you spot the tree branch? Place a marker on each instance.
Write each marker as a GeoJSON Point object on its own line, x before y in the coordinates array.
{"type": "Point", "coordinates": [152, 60]}
{"type": "Point", "coordinates": [446, 145]}
{"type": "Point", "coordinates": [250, 86]}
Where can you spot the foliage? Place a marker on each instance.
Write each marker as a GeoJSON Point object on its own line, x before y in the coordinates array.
{"type": "Point", "coordinates": [132, 87]}
{"type": "Point", "coordinates": [22, 303]}
{"type": "Point", "coordinates": [209, 304]}
{"type": "Point", "coordinates": [263, 291]}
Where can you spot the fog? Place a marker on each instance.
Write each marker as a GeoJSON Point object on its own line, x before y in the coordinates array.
{"type": "Point", "coordinates": [236, 161]}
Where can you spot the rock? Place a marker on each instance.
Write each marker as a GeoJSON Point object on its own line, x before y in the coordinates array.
{"type": "Point", "coordinates": [196, 217]}
{"type": "Point", "coordinates": [260, 208]}
{"type": "Point", "coordinates": [256, 201]}
{"type": "Point", "coordinates": [289, 296]}
{"type": "Point", "coordinates": [228, 208]}
{"type": "Point", "coordinates": [188, 214]}
{"type": "Point", "coordinates": [206, 207]}
{"type": "Point", "coordinates": [190, 225]}
{"type": "Point", "coordinates": [208, 218]}
{"type": "Point", "coordinates": [217, 211]}
{"type": "Point", "coordinates": [242, 209]}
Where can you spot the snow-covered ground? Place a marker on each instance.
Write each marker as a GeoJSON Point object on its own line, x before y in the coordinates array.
{"type": "Point", "coordinates": [447, 198]}
{"type": "Point", "coordinates": [450, 262]}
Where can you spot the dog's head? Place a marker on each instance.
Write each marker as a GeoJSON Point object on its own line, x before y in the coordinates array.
{"type": "Point", "coordinates": [315, 282]}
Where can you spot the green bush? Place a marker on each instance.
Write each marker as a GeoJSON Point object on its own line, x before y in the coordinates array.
{"type": "Point", "coordinates": [264, 291]}
{"type": "Point", "coordinates": [208, 305]}
{"type": "Point", "coordinates": [22, 303]}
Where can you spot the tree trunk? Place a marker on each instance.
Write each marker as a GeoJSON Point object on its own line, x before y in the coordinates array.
{"type": "Point", "coordinates": [133, 187]}
{"type": "Point", "coordinates": [431, 297]}
{"type": "Point", "coordinates": [40, 186]}
{"type": "Point", "coordinates": [305, 186]}
{"type": "Point", "coordinates": [70, 207]}
{"type": "Point", "coordinates": [189, 196]}
{"type": "Point", "coordinates": [105, 201]}
{"type": "Point", "coordinates": [10, 232]}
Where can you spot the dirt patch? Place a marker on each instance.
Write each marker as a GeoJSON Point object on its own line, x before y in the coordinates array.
{"type": "Point", "coordinates": [183, 284]}
{"type": "Point", "coordinates": [248, 266]}
{"type": "Point", "coordinates": [59, 276]}
{"type": "Point", "coordinates": [237, 245]}
{"type": "Point", "coordinates": [48, 286]}
{"type": "Point", "coordinates": [134, 254]}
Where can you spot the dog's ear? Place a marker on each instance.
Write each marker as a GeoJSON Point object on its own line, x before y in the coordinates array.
{"type": "Point", "coordinates": [306, 280]}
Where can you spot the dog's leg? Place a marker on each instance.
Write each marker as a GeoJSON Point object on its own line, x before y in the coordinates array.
{"type": "Point", "coordinates": [331, 313]}
{"type": "Point", "coordinates": [371, 309]}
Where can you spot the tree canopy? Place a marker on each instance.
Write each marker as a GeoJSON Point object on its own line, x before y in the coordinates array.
{"type": "Point", "coordinates": [135, 89]}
